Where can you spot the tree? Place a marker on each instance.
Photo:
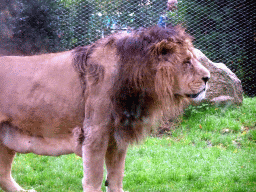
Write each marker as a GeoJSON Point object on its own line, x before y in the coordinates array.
{"type": "Point", "coordinates": [33, 26]}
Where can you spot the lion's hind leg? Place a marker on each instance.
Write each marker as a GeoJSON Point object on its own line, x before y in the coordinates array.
{"type": "Point", "coordinates": [7, 183]}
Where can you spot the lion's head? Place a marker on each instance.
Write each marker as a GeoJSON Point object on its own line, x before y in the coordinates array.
{"type": "Point", "coordinates": [147, 71]}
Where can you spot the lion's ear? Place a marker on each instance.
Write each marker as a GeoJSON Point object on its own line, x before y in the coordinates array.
{"type": "Point", "coordinates": [163, 47]}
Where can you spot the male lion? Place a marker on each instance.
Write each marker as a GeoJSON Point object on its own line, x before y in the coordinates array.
{"type": "Point", "coordinates": [95, 100]}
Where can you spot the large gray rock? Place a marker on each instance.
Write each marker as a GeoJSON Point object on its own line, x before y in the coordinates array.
{"type": "Point", "coordinates": [224, 86]}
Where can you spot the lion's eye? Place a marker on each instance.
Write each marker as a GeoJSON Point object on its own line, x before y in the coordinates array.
{"type": "Point", "coordinates": [188, 62]}
{"type": "Point", "coordinates": [187, 65]}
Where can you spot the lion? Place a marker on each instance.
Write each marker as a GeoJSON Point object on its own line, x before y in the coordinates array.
{"type": "Point", "coordinates": [95, 100]}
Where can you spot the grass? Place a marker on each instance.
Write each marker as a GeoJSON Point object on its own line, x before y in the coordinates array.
{"type": "Point", "coordinates": [211, 149]}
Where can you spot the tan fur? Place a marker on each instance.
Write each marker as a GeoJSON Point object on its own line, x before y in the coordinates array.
{"type": "Point", "coordinates": [95, 100]}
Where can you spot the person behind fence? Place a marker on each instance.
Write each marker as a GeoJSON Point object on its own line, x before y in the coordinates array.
{"type": "Point", "coordinates": [171, 6]}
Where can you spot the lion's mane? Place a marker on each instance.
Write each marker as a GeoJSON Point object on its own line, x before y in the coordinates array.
{"type": "Point", "coordinates": [142, 85]}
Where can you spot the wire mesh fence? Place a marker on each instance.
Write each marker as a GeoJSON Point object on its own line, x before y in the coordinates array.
{"type": "Point", "coordinates": [224, 30]}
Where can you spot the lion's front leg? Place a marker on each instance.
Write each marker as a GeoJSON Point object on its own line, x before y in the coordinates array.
{"type": "Point", "coordinates": [115, 163]}
{"type": "Point", "coordinates": [93, 152]}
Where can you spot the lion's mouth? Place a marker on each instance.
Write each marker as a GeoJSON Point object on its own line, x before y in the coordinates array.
{"type": "Point", "coordinates": [193, 96]}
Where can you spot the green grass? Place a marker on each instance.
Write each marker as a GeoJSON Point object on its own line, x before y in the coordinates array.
{"type": "Point", "coordinates": [211, 149]}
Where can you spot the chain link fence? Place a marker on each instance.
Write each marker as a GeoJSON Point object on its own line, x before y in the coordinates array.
{"type": "Point", "coordinates": [224, 30]}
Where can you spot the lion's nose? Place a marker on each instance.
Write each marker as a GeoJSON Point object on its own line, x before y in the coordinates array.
{"type": "Point", "coordinates": [205, 79]}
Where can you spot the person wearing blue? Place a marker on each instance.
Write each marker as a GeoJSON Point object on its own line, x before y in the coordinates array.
{"type": "Point", "coordinates": [171, 6]}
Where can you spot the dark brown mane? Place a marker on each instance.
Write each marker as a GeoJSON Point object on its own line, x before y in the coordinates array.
{"type": "Point", "coordinates": [142, 85]}
{"type": "Point", "coordinates": [139, 44]}
{"type": "Point", "coordinates": [138, 86]}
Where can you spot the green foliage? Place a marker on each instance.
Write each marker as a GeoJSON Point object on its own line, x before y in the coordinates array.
{"type": "Point", "coordinates": [224, 31]}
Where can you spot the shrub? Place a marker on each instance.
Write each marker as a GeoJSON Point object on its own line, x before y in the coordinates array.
{"type": "Point", "coordinates": [33, 26]}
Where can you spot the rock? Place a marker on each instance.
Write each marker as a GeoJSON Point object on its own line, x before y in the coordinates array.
{"type": "Point", "coordinates": [224, 87]}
